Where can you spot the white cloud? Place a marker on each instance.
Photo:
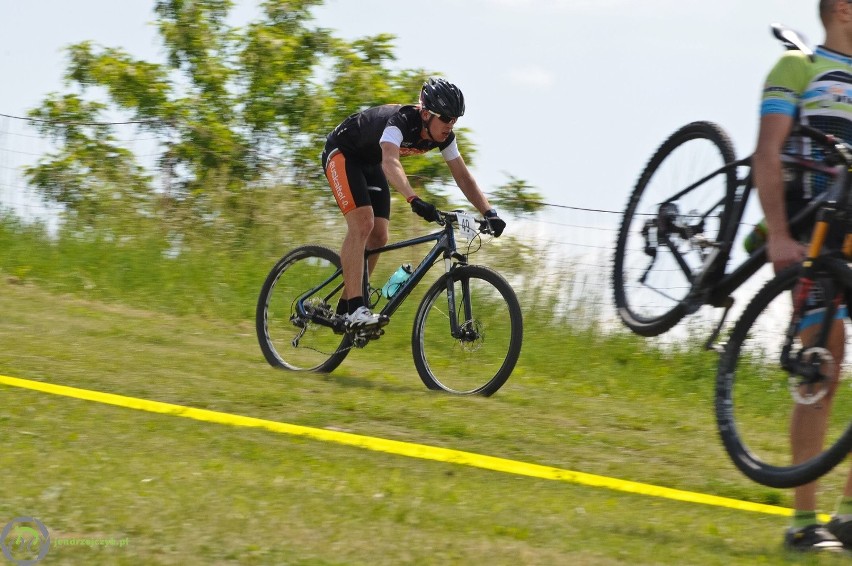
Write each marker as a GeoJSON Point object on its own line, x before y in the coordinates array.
{"type": "Point", "coordinates": [533, 76]}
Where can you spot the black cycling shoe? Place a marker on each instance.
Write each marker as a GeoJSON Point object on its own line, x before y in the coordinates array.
{"type": "Point", "coordinates": [841, 527]}
{"type": "Point", "coordinates": [813, 538]}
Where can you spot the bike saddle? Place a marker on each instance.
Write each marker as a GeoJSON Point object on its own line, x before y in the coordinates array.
{"type": "Point", "coordinates": [791, 39]}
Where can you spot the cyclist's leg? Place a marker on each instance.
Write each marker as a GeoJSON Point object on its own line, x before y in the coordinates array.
{"type": "Point", "coordinates": [359, 224]}
{"type": "Point", "coordinates": [809, 422]}
{"type": "Point", "coordinates": [349, 187]}
{"type": "Point", "coordinates": [379, 193]}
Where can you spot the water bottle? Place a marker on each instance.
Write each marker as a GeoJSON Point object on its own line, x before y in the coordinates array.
{"type": "Point", "coordinates": [756, 238]}
{"type": "Point", "coordinates": [396, 280]}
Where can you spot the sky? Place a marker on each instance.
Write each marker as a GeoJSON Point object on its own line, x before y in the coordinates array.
{"type": "Point", "coordinates": [572, 96]}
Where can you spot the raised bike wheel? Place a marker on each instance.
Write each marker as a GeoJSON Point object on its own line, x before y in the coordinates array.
{"type": "Point", "coordinates": [292, 342]}
{"type": "Point", "coordinates": [665, 239]}
{"type": "Point", "coordinates": [482, 356]}
{"type": "Point", "coordinates": [756, 398]}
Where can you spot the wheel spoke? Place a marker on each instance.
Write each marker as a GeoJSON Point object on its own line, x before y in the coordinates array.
{"type": "Point", "coordinates": [295, 342]}
{"type": "Point", "coordinates": [483, 354]}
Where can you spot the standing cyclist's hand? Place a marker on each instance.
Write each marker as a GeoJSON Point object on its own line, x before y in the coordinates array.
{"type": "Point", "coordinates": [495, 223]}
{"type": "Point", "coordinates": [784, 252]}
{"type": "Point", "coordinates": [424, 210]}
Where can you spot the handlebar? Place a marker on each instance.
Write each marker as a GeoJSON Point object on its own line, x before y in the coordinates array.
{"type": "Point", "coordinates": [818, 135]}
{"type": "Point", "coordinates": [451, 217]}
{"type": "Point", "coordinates": [839, 151]}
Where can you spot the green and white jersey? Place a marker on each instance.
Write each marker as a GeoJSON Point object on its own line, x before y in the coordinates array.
{"type": "Point", "coordinates": [817, 93]}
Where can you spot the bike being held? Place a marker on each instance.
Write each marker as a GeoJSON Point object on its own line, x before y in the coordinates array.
{"type": "Point", "coordinates": [362, 157]}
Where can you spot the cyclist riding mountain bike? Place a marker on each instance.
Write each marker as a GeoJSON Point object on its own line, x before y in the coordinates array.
{"type": "Point", "coordinates": [816, 90]}
{"type": "Point", "coordinates": [362, 157]}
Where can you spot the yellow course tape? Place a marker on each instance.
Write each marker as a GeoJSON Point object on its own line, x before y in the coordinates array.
{"type": "Point", "coordinates": [400, 448]}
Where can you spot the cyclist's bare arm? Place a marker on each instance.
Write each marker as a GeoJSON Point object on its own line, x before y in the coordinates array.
{"type": "Point", "coordinates": [782, 248]}
{"type": "Point", "coordinates": [468, 185]}
{"type": "Point", "coordinates": [393, 170]}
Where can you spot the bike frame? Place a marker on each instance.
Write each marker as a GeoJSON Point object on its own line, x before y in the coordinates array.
{"type": "Point", "coordinates": [714, 284]}
{"type": "Point", "coordinates": [445, 246]}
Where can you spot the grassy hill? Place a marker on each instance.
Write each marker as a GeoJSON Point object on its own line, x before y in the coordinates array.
{"type": "Point", "coordinates": [187, 492]}
{"type": "Point", "coordinates": [127, 317]}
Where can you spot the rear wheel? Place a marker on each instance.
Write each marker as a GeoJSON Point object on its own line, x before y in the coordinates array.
{"type": "Point", "coordinates": [287, 339]}
{"type": "Point", "coordinates": [481, 355]}
{"type": "Point", "coordinates": [666, 237]}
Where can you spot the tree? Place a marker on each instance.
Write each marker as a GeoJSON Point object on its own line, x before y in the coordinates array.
{"type": "Point", "coordinates": [92, 176]}
{"type": "Point", "coordinates": [232, 110]}
{"type": "Point", "coordinates": [518, 196]}
{"type": "Point", "coordinates": [229, 107]}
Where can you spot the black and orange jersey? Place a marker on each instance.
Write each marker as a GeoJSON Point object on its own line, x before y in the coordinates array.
{"type": "Point", "coordinates": [358, 136]}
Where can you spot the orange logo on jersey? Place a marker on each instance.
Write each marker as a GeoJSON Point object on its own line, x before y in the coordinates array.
{"type": "Point", "coordinates": [405, 151]}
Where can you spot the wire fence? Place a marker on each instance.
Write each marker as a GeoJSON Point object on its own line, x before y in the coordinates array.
{"type": "Point", "coordinates": [577, 232]}
{"type": "Point", "coordinates": [575, 244]}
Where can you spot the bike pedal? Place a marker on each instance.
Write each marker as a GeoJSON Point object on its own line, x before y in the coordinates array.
{"type": "Point", "coordinates": [338, 326]}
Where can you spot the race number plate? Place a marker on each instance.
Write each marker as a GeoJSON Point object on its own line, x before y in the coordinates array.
{"type": "Point", "coordinates": [467, 225]}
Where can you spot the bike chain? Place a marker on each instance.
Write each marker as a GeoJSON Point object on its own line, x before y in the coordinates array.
{"type": "Point", "coordinates": [353, 345]}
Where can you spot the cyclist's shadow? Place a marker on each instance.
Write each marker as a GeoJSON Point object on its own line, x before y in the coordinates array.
{"type": "Point", "coordinates": [353, 381]}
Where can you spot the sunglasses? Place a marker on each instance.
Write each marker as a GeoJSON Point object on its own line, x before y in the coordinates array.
{"type": "Point", "coordinates": [448, 119]}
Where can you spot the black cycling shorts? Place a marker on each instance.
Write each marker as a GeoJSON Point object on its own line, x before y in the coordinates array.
{"type": "Point", "coordinates": [355, 183]}
{"type": "Point", "coordinates": [817, 300]}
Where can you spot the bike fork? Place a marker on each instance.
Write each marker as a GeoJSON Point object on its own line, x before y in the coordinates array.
{"type": "Point", "coordinates": [720, 347]}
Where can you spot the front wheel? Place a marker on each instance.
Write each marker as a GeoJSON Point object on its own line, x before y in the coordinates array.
{"type": "Point", "coordinates": [287, 339]}
{"type": "Point", "coordinates": [756, 398]}
{"type": "Point", "coordinates": [467, 332]}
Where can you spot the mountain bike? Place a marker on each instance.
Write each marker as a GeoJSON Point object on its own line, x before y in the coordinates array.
{"type": "Point", "coordinates": [683, 217]}
{"type": "Point", "coordinates": [468, 327]}
{"type": "Point", "coordinates": [772, 362]}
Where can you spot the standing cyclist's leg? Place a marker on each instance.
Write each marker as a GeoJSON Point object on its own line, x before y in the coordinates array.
{"type": "Point", "coordinates": [840, 524]}
{"type": "Point", "coordinates": [809, 423]}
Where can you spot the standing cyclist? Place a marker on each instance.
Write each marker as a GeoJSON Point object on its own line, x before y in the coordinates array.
{"type": "Point", "coordinates": [816, 92]}
{"type": "Point", "coordinates": [362, 155]}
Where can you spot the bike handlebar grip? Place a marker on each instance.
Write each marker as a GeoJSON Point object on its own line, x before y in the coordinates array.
{"type": "Point", "coordinates": [818, 135]}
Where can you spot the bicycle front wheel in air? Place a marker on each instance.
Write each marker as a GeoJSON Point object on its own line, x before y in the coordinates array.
{"type": "Point", "coordinates": [288, 340]}
{"type": "Point", "coordinates": [479, 356]}
{"type": "Point", "coordinates": [756, 399]}
{"type": "Point", "coordinates": [666, 237]}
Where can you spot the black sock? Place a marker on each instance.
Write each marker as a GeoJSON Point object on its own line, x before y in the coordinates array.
{"type": "Point", "coordinates": [342, 307]}
{"type": "Point", "coordinates": [355, 303]}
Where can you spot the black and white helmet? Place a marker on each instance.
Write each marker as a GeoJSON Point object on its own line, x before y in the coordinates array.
{"type": "Point", "coordinates": [442, 97]}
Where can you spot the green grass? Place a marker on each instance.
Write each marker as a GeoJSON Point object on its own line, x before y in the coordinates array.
{"type": "Point", "coordinates": [187, 492]}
